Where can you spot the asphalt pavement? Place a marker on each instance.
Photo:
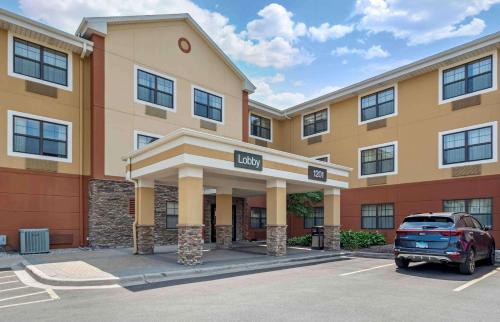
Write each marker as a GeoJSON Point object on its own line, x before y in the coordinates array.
{"type": "Point", "coordinates": [359, 289]}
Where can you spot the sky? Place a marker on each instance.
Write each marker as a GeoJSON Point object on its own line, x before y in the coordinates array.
{"type": "Point", "coordinates": [297, 50]}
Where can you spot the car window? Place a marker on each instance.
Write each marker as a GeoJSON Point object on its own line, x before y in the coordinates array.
{"type": "Point", "coordinates": [468, 222]}
{"type": "Point", "coordinates": [460, 224]}
{"type": "Point", "coordinates": [427, 221]}
{"type": "Point", "coordinates": [477, 224]}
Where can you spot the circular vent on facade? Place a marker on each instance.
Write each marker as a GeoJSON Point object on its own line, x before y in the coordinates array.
{"type": "Point", "coordinates": [184, 45]}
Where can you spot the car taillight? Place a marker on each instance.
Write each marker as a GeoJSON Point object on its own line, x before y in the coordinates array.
{"type": "Point", "coordinates": [401, 233]}
{"type": "Point", "coordinates": [450, 233]}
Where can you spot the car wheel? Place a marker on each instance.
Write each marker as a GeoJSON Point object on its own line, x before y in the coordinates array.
{"type": "Point", "coordinates": [491, 259]}
{"type": "Point", "coordinates": [469, 266]}
{"type": "Point", "coordinates": [402, 262]}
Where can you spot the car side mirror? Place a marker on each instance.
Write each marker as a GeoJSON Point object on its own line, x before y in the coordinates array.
{"type": "Point", "coordinates": [486, 228]}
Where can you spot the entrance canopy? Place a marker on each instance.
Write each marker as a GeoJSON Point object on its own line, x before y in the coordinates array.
{"type": "Point", "coordinates": [195, 161]}
{"type": "Point", "coordinates": [230, 163]}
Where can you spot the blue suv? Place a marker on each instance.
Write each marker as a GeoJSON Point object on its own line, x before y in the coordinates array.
{"type": "Point", "coordinates": [449, 238]}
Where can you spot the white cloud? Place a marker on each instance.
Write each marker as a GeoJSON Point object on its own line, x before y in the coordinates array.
{"type": "Point", "coordinates": [326, 90]}
{"type": "Point", "coordinates": [278, 78]}
{"type": "Point", "coordinates": [267, 95]}
{"type": "Point", "coordinates": [375, 51]}
{"type": "Point", "coordinates": [423, 21]}
{"type": "Point", "coordinates": [325, 32]}
{"type": "Point", "coordinates": [275, 21]}
{"type": "Point", "coordinates": [267, 43]}
{"type": "Point", "coordinates": [298, 83]}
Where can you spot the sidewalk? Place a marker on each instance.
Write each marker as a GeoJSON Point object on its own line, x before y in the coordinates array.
{"type": "Point", "coordinates": [80, 267]}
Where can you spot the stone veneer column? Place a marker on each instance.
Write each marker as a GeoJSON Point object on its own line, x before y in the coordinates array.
{"type": "Point", "coordinates": [224, 217]}
{"type": "Point", "coordinates": [190, 227]}
{"type": "Point", "coordinates": [145, 217]}
{"type": "Point", "coordinates": [276, 217]}
{"type": "Point", "coordinates": [332, 218]}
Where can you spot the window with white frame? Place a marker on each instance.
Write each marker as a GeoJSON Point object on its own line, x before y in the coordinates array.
{"type": "Point", "coordinates": [154, 89]}
{"type": "Point", "coordinates": [258, 218]}
{"type": "Point", "coordinates": [260, 127]}
{"type": "Point", "coordinates": [476, 144]}
{"type": "Point", "coordinates": [315, 123]}
{"type": "Point", "coordinates": [378, 160]}
{"type": "Point", "coordinates": [377, 105]}
{"type": "Point", "coordinates": [39, 62]}
{"type": "Point", "coordinates": [377, 216]}
{"type": "Point", "coordinates": [323, 158]}
{"type": "Point", "coordinates": [480, 208]}
{"type": "Point", "coordinates": [143, 139]}
{"type": "Point", "coordinates": [207, 105]}
{"type": "Point", "coordinates": [467, 78]}
{"type": "Point", "coordinates": [316, 218]}
{"type": "Point", "coordinates": [38, 137]}
{"type": "Point", "coordinates": [172, 214]}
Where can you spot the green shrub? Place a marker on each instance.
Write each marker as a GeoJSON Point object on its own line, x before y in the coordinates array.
{"type": "Point", "coordinates": [348, 239]}
{"type": "Point", "coordinates": [360, 239]}
{"type": "Point", "coordinates": [300, 241]}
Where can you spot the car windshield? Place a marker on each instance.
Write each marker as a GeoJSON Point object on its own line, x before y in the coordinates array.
{"type": "Point", "coordinates": [427, 222]}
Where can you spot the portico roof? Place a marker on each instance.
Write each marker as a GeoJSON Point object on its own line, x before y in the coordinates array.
{"type": "Point", "coordinates": [231, 163]}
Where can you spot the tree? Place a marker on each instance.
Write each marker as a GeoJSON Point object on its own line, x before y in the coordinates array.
{"type": "Point", "coordinates": [301, 204]}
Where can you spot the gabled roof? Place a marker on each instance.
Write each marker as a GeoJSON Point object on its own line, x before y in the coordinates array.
{"type": "Point", "coordinates": [99, 25]}
{"type": "Point", "coordinates": [444, 58]}
{"type": "Point", "coordinates": [44, 33]}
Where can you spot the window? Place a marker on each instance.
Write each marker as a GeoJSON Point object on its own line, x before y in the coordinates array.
{"type": "Point", "coordinates": [172, 214]}
{"type": "Point", "coordinates": [466, 146]}
{"type": "Point", "coordinates": [35, 61]}
{"type": "Point", "coordinates": [207, 105]}
{"type": "Point", "coordinates": [468, 78]}
{"type": "Point", "coordinates": [315, 123]}
{"type": "Point", "coordinates": [378, 160]}
{"type": "Point", "coordinates": [38, 137]}
{"type": "Point", "coordinates": [258, 218]}
{"type": "Point", "coordinates": [377, 216]}
{"type": "Point", "coordinates": [377, 105]}
{"type": "Point", "coordinates": [155, 89]}
{"type": "Point", "coordinates": [260, 127]}
{"type": "Point", "coordinates": [481, 208]}
{"type": "Point", "coordinates": [316, 219]}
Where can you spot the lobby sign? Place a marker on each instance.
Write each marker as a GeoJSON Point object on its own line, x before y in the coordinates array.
{"type": "Point", "coordinates": [316, 174]}
{"type": "Point", "coordinates": [247, 160]}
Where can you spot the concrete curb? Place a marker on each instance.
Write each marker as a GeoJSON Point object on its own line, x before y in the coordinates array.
{"type": "Point", "coordinates": [194, 272]}
{"type": "Point", "coordinates": [371, 255]}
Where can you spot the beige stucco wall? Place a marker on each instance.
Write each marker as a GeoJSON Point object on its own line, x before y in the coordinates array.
{"type": "Point", "coordinates": [154, 46]}
{"type": "Point", "coordinates": [66, 107]}
{"type": "Point", "coordinates": [416, 127]}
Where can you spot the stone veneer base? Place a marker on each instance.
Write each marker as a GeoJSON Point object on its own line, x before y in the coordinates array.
{"type": "Point", "coordinates": [224, 236]}
{"type": "Point", "coordinates": [145, 239]}
{"type": "Point", "coordinates": [276, 240]}
{"type": "Point", "coordinates": [190, 244]}
{"type": "Point", "coordinates": [332, 237]}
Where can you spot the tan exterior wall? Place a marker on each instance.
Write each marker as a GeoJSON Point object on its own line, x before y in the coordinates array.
{"type": "Point", "coordinates": [154, 46]}
{"type": "Point", "coordinates": [420, 118]}
{"type": "Point", "coordinates": [66, 107]}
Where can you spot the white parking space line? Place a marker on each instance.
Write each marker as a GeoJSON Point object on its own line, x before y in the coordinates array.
{"type": "Point", "coordinates": [367, 269]}
{"type": "Point", "coordinates": [25, 303]}
{"type": "Point", "coordinates": [7, 276]}
{"type": "Point", "coordinates": [20, 296]}
{"type": "Point", "coordinates": [9, 282]}
{"type": "Point", "coordinates": [14, 288]}
{"type": "Point", "coordinates": [475, 281]}
{"type": "Point", "coordinates": [53, 294]}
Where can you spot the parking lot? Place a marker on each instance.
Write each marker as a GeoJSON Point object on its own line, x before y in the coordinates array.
{"type": "Point", "coordinates": [348, 290]}
{"type": "Point", "coordinates": [14, 293]}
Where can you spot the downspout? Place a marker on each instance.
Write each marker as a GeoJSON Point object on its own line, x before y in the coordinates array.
{"type": "Point", "coordinates": [134, 224]}
{"type": "Point", "coordinates": [83, 238]}
{"type": "Point", "coordinates": [285, 114]}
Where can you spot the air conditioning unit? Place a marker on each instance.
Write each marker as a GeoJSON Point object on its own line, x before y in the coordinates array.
{"type": "Point", "coordinates": [34, 241]}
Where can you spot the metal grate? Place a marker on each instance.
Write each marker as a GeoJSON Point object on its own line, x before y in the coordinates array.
{"type": "Point", "coordinates": [34, 241]}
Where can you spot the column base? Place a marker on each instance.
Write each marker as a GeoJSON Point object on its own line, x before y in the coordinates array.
{"type": "Point", "coordinates": [145, 239]}
{"type": "Point", "coordinates": [276, 240]}
{"type": "Point", "coordinates": [332, 237]}
{"type": "Point", "coordinates": [224, 236]}
{"type": "Point", "coordinates": [190, 244]}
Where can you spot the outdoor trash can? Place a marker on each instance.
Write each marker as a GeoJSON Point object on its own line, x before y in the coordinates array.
{"type": "Point", "coordinates": [318, 237]}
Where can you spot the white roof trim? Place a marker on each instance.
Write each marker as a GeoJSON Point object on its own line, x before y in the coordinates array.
{"type": "Point", "coordinates": [98, 25]}
{"type": "Point", "coordinates": [77, 44]}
